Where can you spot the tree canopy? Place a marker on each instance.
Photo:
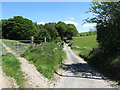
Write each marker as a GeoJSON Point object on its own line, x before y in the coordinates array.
{"type": "Point", "coordinates": [107, 17]}
{"type": "Point", "coordinates": [18, 28]}
{"type": "Point", "coordinates": [21, 28]}
{"type": "Point", "coordinates": [66, 30]}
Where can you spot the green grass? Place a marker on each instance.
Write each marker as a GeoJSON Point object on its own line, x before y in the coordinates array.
{"type": "Point", "coordinates": [86, 41]}
{"type": "Point", "coordinates": [85, 44]}
{"type": "Point", "coordinates": [11, 67]}
{"type": "Point", "coordinates": [46, 57]}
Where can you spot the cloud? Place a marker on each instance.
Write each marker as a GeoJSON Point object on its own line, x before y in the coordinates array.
{"type": "Point", "coordinates": [89, 25]}
{"type": "Point", "coordinates": [71, 18]}
{"type": "Point", "coordinates": [43, 23]}
{"type": "Point", "coordinates": [70, 22]}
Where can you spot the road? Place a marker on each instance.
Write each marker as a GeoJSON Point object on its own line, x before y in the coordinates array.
{"type": "Point", "coordinates": [78, 74]}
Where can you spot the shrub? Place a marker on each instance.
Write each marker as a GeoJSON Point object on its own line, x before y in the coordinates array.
{"type": "Point", "coordinates": [46, 57]}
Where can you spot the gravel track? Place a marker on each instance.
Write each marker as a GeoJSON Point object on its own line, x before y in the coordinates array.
{"type": "Point", "coordinates": [33, 79]}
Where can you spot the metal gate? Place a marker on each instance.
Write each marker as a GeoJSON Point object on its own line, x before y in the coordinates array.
{"type": "Point", "coordinates": [19, 46]}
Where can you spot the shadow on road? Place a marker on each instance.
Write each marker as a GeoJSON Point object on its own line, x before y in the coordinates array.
{"type": "Point", "coordinates": [80, 70]}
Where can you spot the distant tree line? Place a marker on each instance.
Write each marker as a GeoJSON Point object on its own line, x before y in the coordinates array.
{"type": "Point", "coordinates": [17, 28]}
{"type": "Point", "coordinates": [87, 33]}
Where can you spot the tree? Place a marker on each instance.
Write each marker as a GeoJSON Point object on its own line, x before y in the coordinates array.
{"type": "Point", "coordinates": [18, 28]}
{"type": "Point", "coordinates": [51, 29]}
{"type": "Point", "coordinates": [42, 33]}
{"type": "Point", "coordinates": [107, 17]}
{"type": "Point", "coordinates": [72, 31]}
{"type": "Point", "coordinates": [0, 29]}
{"type": "Point", "coordinates": [62, 29]}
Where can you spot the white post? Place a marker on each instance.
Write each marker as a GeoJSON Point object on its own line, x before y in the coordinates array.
{"type": "Point", "coordinates": [32, 41]}
{"type": "Point", "coordinates": [45, 39]}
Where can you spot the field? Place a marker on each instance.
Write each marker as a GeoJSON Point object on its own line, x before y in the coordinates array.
{"type": "Point", "coordinates": [84, 44]}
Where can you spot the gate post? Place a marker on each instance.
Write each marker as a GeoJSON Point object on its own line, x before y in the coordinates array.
{"type": "Point", "coordinates": [32, 41]}
{"type": "Point", "coordinates": [45, 39]}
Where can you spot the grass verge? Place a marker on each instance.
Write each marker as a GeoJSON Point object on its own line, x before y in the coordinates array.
{"type": "Point", "coordinates": [107, 63]}
{"type": "Point", "coordinates": [11, 67]}
{"type": "Point", "coordinates": [46, 57]}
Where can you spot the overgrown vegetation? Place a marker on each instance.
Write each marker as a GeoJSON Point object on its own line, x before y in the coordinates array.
{"type": "Point", "coordinates": [107, 56]}
{"type": "Point", "coordinates": [46, 57]}
{"type": "Point", "coordinates": [11, 67]}
{"type": "Point", "coordinates": [107, 63]}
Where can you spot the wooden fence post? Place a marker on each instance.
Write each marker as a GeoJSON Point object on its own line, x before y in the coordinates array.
{"type": "Point", "coordinates": [32, 41]}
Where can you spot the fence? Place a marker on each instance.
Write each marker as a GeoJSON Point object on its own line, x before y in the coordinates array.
{"type": "Point", "coordinates": [19, 46]}
{"type": "Point", "coordinates": [2, 50]}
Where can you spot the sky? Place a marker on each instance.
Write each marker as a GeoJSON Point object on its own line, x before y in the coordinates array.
{"type": "Point", "coordinates": [44, 12]}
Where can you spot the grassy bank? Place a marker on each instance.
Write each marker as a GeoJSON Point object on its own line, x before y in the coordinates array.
{"type": "Point", "coordinates": [46, 57]}
{"type": "Point", "coordinates": [107, 63]}
{"type": "Point", "coordinates": [11, 67]}
{"type": "Point", "coordinates": [84, 44]}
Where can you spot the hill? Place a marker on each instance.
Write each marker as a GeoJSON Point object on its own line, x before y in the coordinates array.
{"type": "Point", "coordinates": [87, 33]}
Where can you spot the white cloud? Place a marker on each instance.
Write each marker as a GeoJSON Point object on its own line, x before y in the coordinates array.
{"type": "Point", "coordinates": [70, 22]}
{"type": "Point", "coordinates": [71, 18]}
{"type": "Point", "coordinates": [43, 23]}
{"type": "Point", "coordinates": [89, 25]}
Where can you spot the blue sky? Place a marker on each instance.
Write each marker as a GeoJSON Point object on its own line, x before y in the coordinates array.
{"type": "Point", "coordinates": [43, 12]}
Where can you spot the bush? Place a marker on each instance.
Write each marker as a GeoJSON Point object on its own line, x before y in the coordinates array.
{"type": "Point", "coordinates": [107, 63]}
{"type": "Point", "coordinates": [46, 57]}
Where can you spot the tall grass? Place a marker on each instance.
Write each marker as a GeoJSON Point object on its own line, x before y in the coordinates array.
{"type": "Point", "coordinates": [46, 57]}
{"type": "Point", "coordinates": [11, 67]}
